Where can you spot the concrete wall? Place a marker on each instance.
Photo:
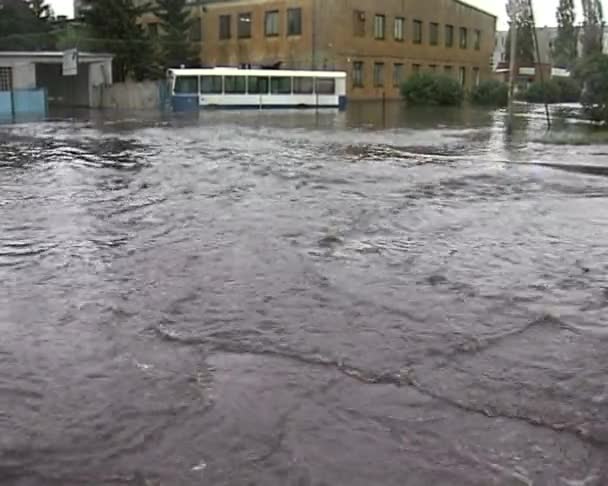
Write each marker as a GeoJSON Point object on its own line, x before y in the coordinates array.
{"type": "Point", "coordinates": [24, 73]}
{"type": "Point", "coordinates": [328, 38]}
{"type": "Point", "coordinates": [128, 96]}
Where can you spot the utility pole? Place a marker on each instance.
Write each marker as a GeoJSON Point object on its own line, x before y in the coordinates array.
{"type": "Point", "coordinates": [515, 9]}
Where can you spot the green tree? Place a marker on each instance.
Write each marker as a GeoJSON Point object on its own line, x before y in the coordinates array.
{"type": "Point", "coordinates": [566, 44]}
{"type": "Point", "coordinates": [593, 27]}
{"type": "Point", "coordinates": [176, 24]}
{"type": "Point", "coordinates": [116, 28]}
{"type": "Point", "coordinates": [594, 73]}
{"type": "Point", "coordinates": [21, 28]}
{"type": "Point", "coordinates": [432, 89]}
{"type": "Point", "coordinates": [525, 40]}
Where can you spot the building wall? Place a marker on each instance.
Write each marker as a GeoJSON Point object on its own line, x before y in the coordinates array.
{"type": "Point", "coordinates": [292, 51]}
{"type": "Point", "coordinates": [328, 39]}
{"type": "Point", "coordinates": [24, 72]}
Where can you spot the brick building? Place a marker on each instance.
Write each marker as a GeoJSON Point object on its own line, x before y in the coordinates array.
{"type": "Point", "coordinates": [379, 43]}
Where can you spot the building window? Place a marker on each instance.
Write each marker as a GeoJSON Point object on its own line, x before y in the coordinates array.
{"type": "Point", "coordinates": [447, 70]}
{"type": "Point", "coordinates": [358, 74]}
{"type": "Point", "coordinates": [417, 31]}
{"type": "Point", "coordinates": [399, 30]}
{"type": "Point", "coordinates": [416, 68]}
{"type": "Point", "coordinates": [359, 23]}
{"type": "Point", "coordinates": [244, 27]}
{"type": "Point", "coordinates": [303, 85]}
{"type": "Point", "coordinates": [211, 84]}
{"type": "Point", "coordinates": [378, 74]}
{"type": "Point", "coordinates": [449, 35]}
{"type": "Point", "coordinates": [462, 76]}
{"type": "Point", "coordinates": [271, 25]}
{"type": "Point", "coordinates": [294, 21]}
{"type": "Point", "coordinates": [379, 26]}
{"type": "Point", "coordinates": [434, 33]}
{"type": "Point", "coordinates": [463, 37]}
{"type": "Point", "coordinates": [397, 75]}
{"type": "Point", "coordinates": [257, 85]}
{"type": "Point", "coordinates": [477, 40]}
{"type": "Point", "coordinates": [235, 84]}
{"type": "Point", "coordinates": [476, 78]}
{"type": "Point", "coordinates": [225, 21]}
{"type": "Point", "coordinates": [433, 68]}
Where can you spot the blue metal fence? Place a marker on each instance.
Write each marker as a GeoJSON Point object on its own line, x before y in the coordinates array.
{"type": "Point", "coordinates": [26, 103]}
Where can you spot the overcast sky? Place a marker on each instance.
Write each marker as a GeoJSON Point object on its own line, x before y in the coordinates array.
{"type": "Point", "coordinates": [545, 9]}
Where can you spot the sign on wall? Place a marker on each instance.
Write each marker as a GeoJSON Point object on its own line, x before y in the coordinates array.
{"type": "Point", "coordinates": [70, 62]}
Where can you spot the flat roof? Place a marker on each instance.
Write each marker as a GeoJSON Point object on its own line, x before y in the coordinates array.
{"type": "Point", "coordinates": [56, 55]}
{"type": "Point", "coordinates": [473, 7]}
{"type": "Point", "coordinates": [227, 71]}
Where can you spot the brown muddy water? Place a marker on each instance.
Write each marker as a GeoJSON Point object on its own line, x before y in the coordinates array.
{"type": "Point", "coordinates": [397, 297]}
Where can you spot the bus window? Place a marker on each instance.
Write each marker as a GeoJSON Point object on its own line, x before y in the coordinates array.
{"type": "Point", "coordinates": [326, 86]}
{"type": "Point", "coordinates": [235, 84]}
{"type": "Point", "coordinates": [186, 85]}
{"type": "Point", "coordinates": [302, 85]}
{"type": "Point", "coordinates": [280, 85]}
{"type": "Point", "coordinates": [211, 84]}
{"type": "Point", "coordinates": [257, 85]}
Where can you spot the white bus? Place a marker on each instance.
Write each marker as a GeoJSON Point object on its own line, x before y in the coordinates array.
{"type": "Point", "coordinates": [192, 89]}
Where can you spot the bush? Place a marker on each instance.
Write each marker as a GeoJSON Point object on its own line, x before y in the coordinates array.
{"type": "Point", "coordinates": [547, 92]}
{"type": "Point", "coordinates": [558, 90]}
{"type": "Point", "coordinates": [570, 90]}
{"type": "Point", "coordinates": [490, 93]}
{"type": "Point", "coordinates": [432, 89]}
{"type": "Point", "coordinates": [593, 73]}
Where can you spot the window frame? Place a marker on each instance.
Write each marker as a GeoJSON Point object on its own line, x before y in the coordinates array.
{"type": "Point", "coordinates": [179, 79]}
{"type": "Point", "coordinates": [379, 35]}
{"type": "Point", "coordinates": [239, 33]}
{"type": "Point", "coordinates": [433, 33]}
{"type": "Point", "coordinates": [359, 23]}
{"type": "Point", "coordinates": [477, 40]}
{"type": "Point", "coordinates": [449, 38]}
{"type": "Point", "coordinates": [291, 11]}
{"type": "Point", "coordinates": [214, 90]}
{"type": "Point", "coordinates": [463, 38]}
{"type": "Point", "coordinates": [399, 21]}
{"type": "Point", "coordinates": [320, 81]}
{"type": "Point", "coordinates": [417, 34]}
{"type": "Point", "coordinates": [462, 76]}
{"type": "Point", "coordinates": [6, 78]}
{"type": "Point", "coordinates": [379, 68]}
{"type": "Point", "coordinates": [225, 27]}
{"type": "Point", "coordinates": [280, 91]}
{"type": "Point", "coordinates": [398, 67]}
{"type": "Point", "coordinates": [272, 14]}
{"type": "Point", "coordinates": [258, 92]}
{"type": "Point", "coordinates": [235, 92]}
{"type": "Point", "coordinates": [296, 89]}
{"type": "Point", "coordinates": [358, 74]}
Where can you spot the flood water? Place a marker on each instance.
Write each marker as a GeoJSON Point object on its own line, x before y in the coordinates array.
{"type": "Point", "coordinates": [382, 297]}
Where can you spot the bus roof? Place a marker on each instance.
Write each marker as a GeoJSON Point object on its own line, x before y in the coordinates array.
{"type": "Point", "coordinates": [228, 71]}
